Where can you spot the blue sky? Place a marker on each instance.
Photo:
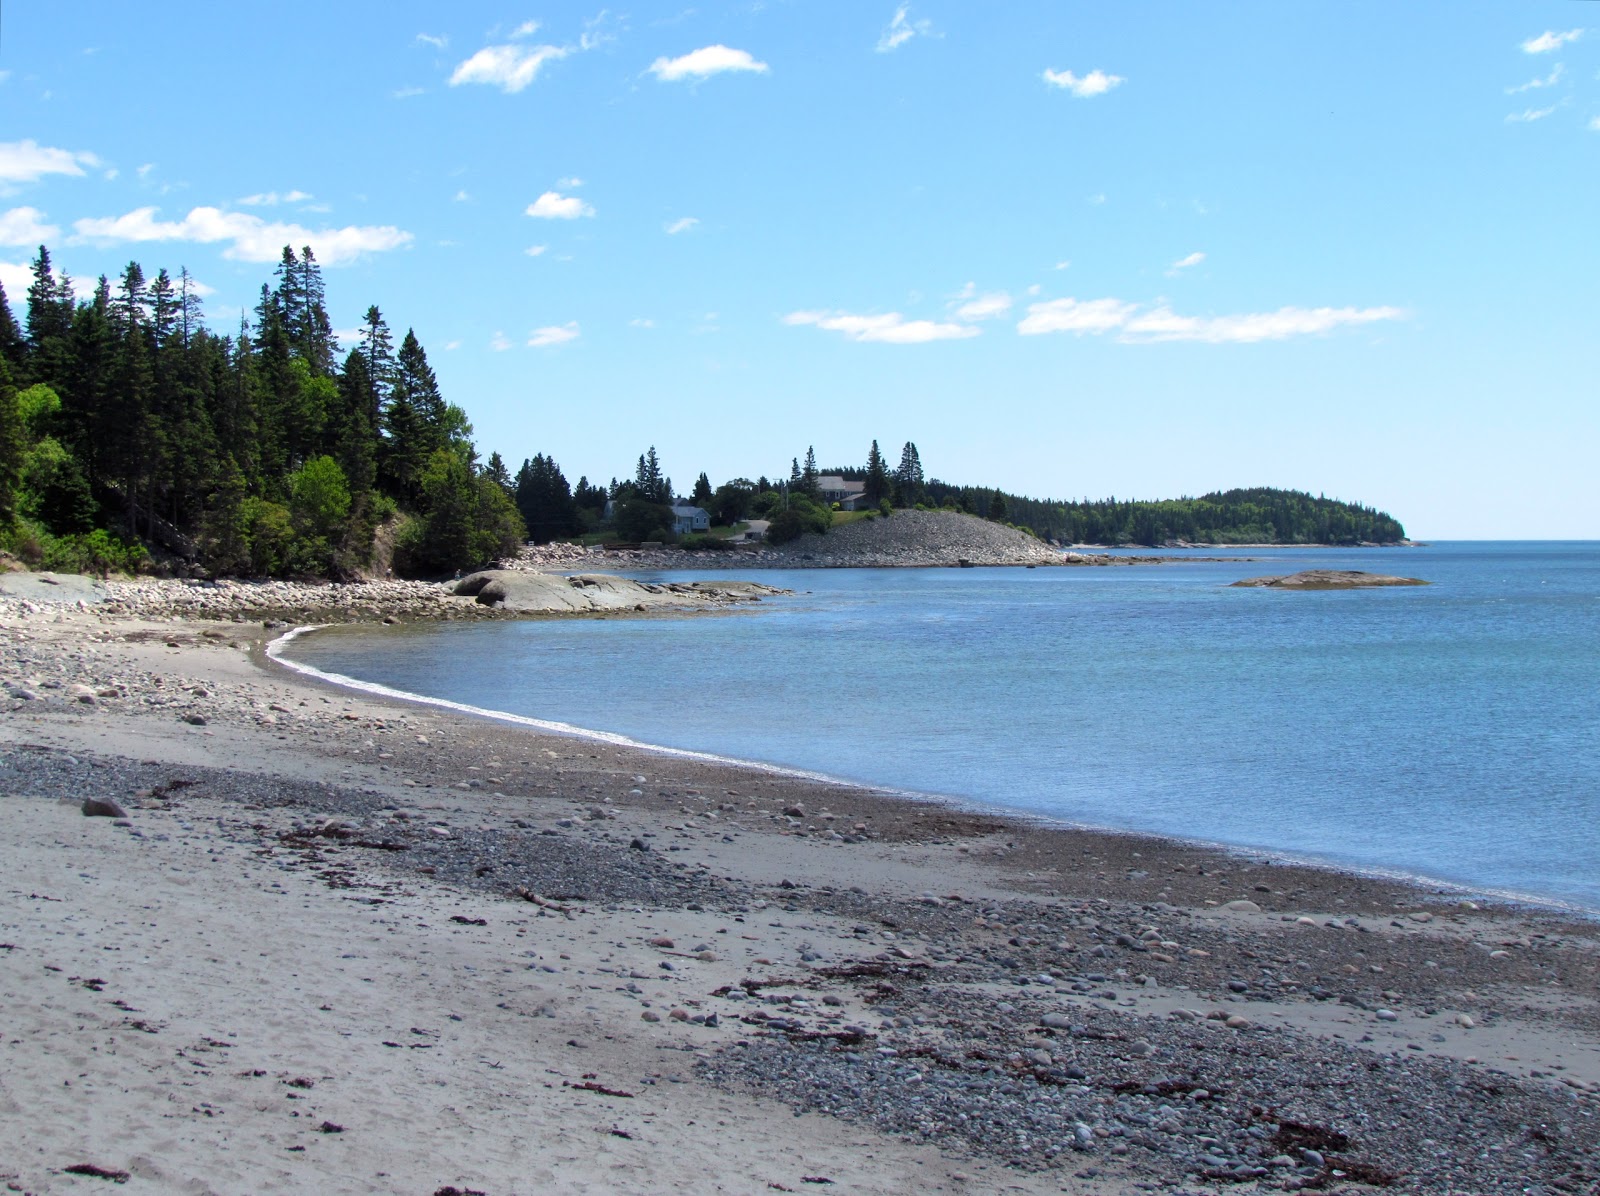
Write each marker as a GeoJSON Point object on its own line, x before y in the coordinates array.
{"type": "Point", "coordinates": [1068, 249]}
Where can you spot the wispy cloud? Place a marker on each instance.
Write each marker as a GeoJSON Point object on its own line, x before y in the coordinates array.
{"type": "Point", "coordinates": [1183, 263]}
{"type": "Point", "coordinates": [498, 342]}
{"type": "Point", "coordinates": [889, 329]}
{"type": "Point", "coordinates": [510, 68]}
{"type": "Point", "coordinates": [1594, 124]}
{"type": "Point", "coordinates": [705, 62]}
{"type": "Point", "coordinates": [1550, 40]}
{"type": "Point", "coordinates": [901, 29]}
{"type": "Point", "coordinates": [526, 29]}
{"type": "Point", "coordinates": [437, 40]}
{"type": "Point", "coordinates": [535, 250]}
{"type": "Point", "coordinates": [406, 93]}
{"type": "Point", "coordinates": [552, 205]}
{"type": "Point", "coordinates": [1549, 80]}
{"type": "Point", "coordinates": [1529, 115]}
{"type": "Point", "coordinates": [270, 199]}
{"type": "Point", "coordinates": [245, 237]}
{"type": "Point", "coordinates": [553, 334]}
{"type": "Point", "coordinates": [682, 225]}
{"type": "Point", "coordinates": [25, 226]}
{"type": "Point", "coordinates": [983, 307]}
{"type": "Point", "coordinates": [1095, 317]}
{"type": "Point", "coordinates": [1074, 315]}
{"type": "Point", "coordinates": [28, 162]}
{"type": "Point", "coordinates": [641, 322]}
{"type": "Point", "coordinates": [1095, 83]}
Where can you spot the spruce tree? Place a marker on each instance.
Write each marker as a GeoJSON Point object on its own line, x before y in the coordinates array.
{"type": "Point", "coordinates": [877, 486]}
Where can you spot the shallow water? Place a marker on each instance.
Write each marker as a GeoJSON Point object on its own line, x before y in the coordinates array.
{"type": "Point", "coordinates": [1451, 731]}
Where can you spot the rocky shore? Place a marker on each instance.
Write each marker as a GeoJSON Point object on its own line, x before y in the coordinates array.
{"type": "Point", "coordinates": [907, 539]}
{"type": "Point", "coordinates": [342, 944]}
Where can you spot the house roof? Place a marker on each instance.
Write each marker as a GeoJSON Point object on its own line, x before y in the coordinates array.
{"type": "Point", "coordinates": [833, 481]}
{"type": "Point", "coordinates": [683, 510]}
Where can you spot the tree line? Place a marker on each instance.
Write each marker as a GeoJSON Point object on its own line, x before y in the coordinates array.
{"type": "Point", "coordinates": [129, 429]}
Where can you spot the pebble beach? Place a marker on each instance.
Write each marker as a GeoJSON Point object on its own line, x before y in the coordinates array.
{"type": "Point", "coordinates": [314, 939]}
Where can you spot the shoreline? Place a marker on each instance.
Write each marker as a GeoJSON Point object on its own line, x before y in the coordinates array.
{"type": "Point", "coordinates": [1436, 885]}
{"type": "Point", "coordinates": [946, 996]}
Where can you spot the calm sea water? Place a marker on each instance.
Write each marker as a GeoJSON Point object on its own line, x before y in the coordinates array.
{"type": "Point", "coordinates": [1451, 731]}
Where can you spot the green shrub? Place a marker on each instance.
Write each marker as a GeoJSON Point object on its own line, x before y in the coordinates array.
{"type": "Point", "coordinates": [697, 541]}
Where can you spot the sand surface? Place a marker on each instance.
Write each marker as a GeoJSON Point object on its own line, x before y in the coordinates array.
{"type": "Point", "coordinates": [194, 997]}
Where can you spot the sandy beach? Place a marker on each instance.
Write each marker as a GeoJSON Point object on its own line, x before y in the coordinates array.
{"type": "Point", "coordinates": [339, 943]}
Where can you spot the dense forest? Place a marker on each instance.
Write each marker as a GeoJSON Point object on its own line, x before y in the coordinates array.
{"type": "Point", "coordinates": [132, 436]}
{"type": "Point", "coordinates": [1260, 515]}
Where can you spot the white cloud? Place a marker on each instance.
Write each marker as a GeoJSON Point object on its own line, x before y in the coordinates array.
{"type": "Point", "coordinates": [1097, 316]}
{"type": "Point", "coordinates": [985, 307]}
{"type": "Point", "coordinates": [552, 205]}
{"type": "Point", "coordinates": [405, 93]}
{"type": "Point", "coordinates": [269, 199]}
{"type": "Point", "coordinates": [889, 329]}
{"type": "Point", "coordinates": [248, 238]}
{"type": "Point", "coordinates": [498, 342]}
{"type": "Point", "coordinates": [1063, 264]}
{"type": "Point", "coordinates": [526, 29]}
{"type": "Point", "coordinates": [1529, 115]}
{"type": "Point", "coordinates": [642, 322]}
{"type": "Point", "coordinates": [16, 277]}
{"type": "Point", "coordinates": [1095, 83]}
{"type": "Point", "coordinates": [1549, 80]}
{"type": "Point", "coordinates": [437, 40]}
{"type": "Point", "coordinates": [705, 62]}
{"type": "Point", "coordinates": [28, 162]}
{"type": "Point", "coordinates": [461, 196]}
{"type": "Point", "coordinates": [902, 29]}
{"type": "Point", "coordinates": [1550, 40]}
{"type": "Point", "coordinates": [1183, 263]}
{"type": "Point", "coordinates": [553, 334]}
{"type": "Point", "coordinates": [1594, 124]}
{"type": "Point", "coordinates": [1072, 315]}
{"type": "Point", "coordinates": [535, 250]}
{"type": "Point", "coordinates": [681, 225]}
{"type": "Point", "coordinates": [510, 68]}
{"type": "Point", "coordinates": [451, 346]}
{"type": "Point", "coordinates": [1098, 198]}
{"type": "Point", "coordinates": [569, 182]}
{"type": "Point", "coordinates": [25, 226]}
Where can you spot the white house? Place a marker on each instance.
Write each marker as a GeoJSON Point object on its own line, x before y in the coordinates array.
{"type": "Point", "coordinates": [687, 519]}
{"type": "Point", "coordinates": [849, 493]}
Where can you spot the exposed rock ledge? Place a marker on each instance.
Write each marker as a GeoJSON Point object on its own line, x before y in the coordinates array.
{"type": "Point", "coordinates": [1330, 579]}
{"type": "Point", "coordinates": [516, 590]}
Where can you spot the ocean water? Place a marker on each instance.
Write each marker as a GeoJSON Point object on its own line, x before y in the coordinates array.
{"type": "Point", "coordinates": [1450, 732]}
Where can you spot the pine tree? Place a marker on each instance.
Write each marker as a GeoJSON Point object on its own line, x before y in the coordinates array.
{"type": "Point", "coordinates": [648, 480]}
{"type": "Point", "coordinates": [377, 351]}
{"type": "Point", "coordinates": [908, 480]}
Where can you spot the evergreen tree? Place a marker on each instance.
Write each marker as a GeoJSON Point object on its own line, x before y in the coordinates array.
{"type": "Point", "coordinates": [497, 473]}
{"type": "Point", "coordinates": [12, 346]}
{"type": "Point", "coordinates": [809, 475]}
{"type": "Point", "coordinates": [544, 500]}
{"type": "Point", "coordinates": [701, 496]}
{"type": "Point", "coordinates": [649, 483]}
{"type": "Point", "coordinates": [877, 481]}
{"type": "Point", "coordinates": [908, 479]}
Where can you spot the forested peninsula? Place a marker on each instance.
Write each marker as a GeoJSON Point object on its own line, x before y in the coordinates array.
{"type": "Point", "coordinates": [133, 438]}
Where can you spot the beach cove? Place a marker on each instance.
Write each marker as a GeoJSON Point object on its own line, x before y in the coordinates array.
{"type": "Point", "coordinates": [348, 942]}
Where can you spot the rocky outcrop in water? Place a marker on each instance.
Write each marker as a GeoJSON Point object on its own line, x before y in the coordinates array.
{"type": "Point", "coordinates": [1329, 579]}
